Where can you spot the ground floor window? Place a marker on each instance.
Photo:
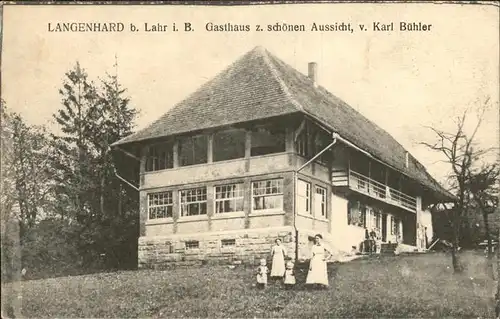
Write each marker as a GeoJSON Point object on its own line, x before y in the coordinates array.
{"type": "Point", "coordinates": [267, 194]}
{"type": "Point", "coordinates": [160, 205]}
{"type": "Point", "coordinates": [193, 201]}
{"type": "Point", "coordinates": [395, 225]}
{"type": "Point", "coordinates": [356, 214]}
{"type": "Point", "coordinates": [378, 220]}
{"type": "Point", "coordinates": [320, 202]}
{"type": "Point", "coordinates": [229, 198]}
{"type": "Point", "coordinates": [303, 197]}
{"type": "Point", "coordinates": [375, 218]}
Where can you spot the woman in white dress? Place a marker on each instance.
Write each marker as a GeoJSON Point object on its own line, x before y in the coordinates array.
{"type": "Point", "coordinates": [318, 274]}
{"type": "Point", "coordinates": [278, 254]}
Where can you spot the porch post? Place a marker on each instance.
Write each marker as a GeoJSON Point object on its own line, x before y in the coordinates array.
{"type": "Point", "coordinates": [210, 148]}
{"type": "Point", "coordinates": [175, 154]}
{"type": "Point", "coordinates": [387, 191]}
{"type": "Point", "coordinates": [418, 219]}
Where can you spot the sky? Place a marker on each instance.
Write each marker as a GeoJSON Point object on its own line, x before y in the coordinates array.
{"type": "Point", "coordinates": [405, 82]}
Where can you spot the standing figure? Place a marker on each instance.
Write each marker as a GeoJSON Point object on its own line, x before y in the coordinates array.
{"type": "Point", "coordinates": [262, 272]}
{"type": "Point", "coordinates": [426, 238]}
{"type": "Point", "coordinates": [373, 241]}
{"type": "Point", "coordinates": [289, 275]}
{"type": "Point", "coordinates": [378, 243]}
{"type": "Point", "coordinates": [366, 242]}
{"type": "Point", "coordinates": [318, 274]}
{"type": "Point", "coordinates": [278, 254]}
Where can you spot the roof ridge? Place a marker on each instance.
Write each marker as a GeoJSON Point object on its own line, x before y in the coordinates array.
{"type": "Point", "coordinates": [274, 72]}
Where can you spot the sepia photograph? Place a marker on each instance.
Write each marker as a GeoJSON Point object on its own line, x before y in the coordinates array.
{"type": "Point", "coordinates": [250, 160]}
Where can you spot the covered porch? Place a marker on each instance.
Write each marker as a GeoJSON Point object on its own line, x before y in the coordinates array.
{"type": "Point", "coordinates": [384, 205]}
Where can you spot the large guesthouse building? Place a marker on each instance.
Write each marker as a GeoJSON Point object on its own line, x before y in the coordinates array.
{"type": "Point", "coordinates": [263, 152]}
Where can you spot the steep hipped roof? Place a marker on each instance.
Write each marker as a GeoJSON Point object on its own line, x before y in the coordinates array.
{"type": "Point", "coordinates": [258, 86]}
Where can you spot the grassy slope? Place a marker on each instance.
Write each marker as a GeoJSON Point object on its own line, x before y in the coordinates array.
{"type": "Point", "coordinates": [409, 286]}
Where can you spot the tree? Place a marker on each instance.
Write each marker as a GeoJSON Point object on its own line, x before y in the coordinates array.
{"type": "Point", "coordinates": [118, 204]}
{"type": "Point", "coordinates": [461, 154]}
{"type": "Point", "coordinates": [483, 191]}
{"type": "Point", "coordinates": [92, 118]}
{"type": "Point", "coordinates": [7, 178]}
{"type": "Point", "coordinates": [74, 154]}
{"type": "Point", "coordinates": [27, 178]}
{"type": "Point", "coordinates": [10, 219]}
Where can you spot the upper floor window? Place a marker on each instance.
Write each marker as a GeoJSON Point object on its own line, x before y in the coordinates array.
{"type": "Point", "coordinates": [229, 198]}
{"type": "Point", "coordinates": [302, 141]}
{"type": "Point", "coordinates": [359, 163]}
{"type": "Point", "coordinates": [378, 172]}
{"type": "Point", "coordinates": [160, 156]}
{"type": "Point", "coordinates": [303, 197]}
{"type": "Point", "coordinates": [267, 194]}
{"type": "Point", "coordinates": [160, 205]}
{"type": "Point", "coordinates": [267, 140]}
{"type": "Point", "coordinates": [321, 140]}
{"type": "Point", "coordinates": [320, 202]}
{"type": "Point", "coordinates": [193, 150]}
{"type": "Point", "coordinates": [193, 201]}
{"type": "Point", "coordinates": [229, 145]}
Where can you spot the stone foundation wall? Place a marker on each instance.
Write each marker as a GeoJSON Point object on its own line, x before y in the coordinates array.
{"type": "Point", "coordinates": [246, 246]}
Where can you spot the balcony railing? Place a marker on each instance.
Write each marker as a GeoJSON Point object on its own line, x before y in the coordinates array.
{"type": "Point", "coordinates": [372, 188]}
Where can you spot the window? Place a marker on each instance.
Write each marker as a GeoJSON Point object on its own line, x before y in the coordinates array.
{"type": "Point", "coordinates": [229, 145]}
{"type": "Point", "coordinates": [193, 150]}
{"type": "Point", "coordinates": [160, 156]}
{"type": "Point", "coordinates": [363, 214]}
{"type": "Point", "coordinates": [160, 205]}
{"type": "Point", "coordinates": [356, 214]}
{"type": "Point", "coordinates": [359, 163]}
{"type": "Point", "coordinates": [267, 194]}
{"type": "Point", "coordinates": [321, 141]}
{"type": "Point", "coordinates": [228, 242]}
{"type": "Point", "coordinates": [193, 244]}
{"type": "Point", "coordinates": [303, 197]}
{"type": "Point", "coordinates": [377, 220]}
{"type": "Point", "coordinates": [267, 140]}
{"type": "Point", "coordinates": [229, 198]}
{"type": "Point", "coordinates": [302, 141]}
{"type": "Point", "coordinates": [395, 229]}
{"type": "Point", "coordinates": [193, 202]}
{"type": "Point", "coordinates": [320, 202]}
{"type": "Point", "coordinates": [169, 247]}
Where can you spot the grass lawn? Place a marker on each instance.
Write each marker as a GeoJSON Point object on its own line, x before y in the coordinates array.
{"type": "Point", "coordinates": [405, 286]}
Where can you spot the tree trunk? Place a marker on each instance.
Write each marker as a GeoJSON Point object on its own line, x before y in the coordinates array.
{"type": "Point", "coordinates": [11, 267]}
{"type": "Point", "coordinates": [454, 251]}
{"type": "Point", "coordinates": [497, 295]}
{"type": "Point", "coordinates": [455, 260]}
{"type": "Point", "coordinates": [489, 265]}
{"type": "Point", "coordinates": [101, 201]}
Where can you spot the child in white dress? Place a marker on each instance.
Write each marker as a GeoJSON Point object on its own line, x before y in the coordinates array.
{"type": "Point", "coordinates": [262, 272]}
{"type": "Point", "coordinates": [289, 275]}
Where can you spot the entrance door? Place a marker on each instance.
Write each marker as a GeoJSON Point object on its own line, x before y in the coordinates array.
{"type": "Point", "coordinates": [384, 227]}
